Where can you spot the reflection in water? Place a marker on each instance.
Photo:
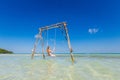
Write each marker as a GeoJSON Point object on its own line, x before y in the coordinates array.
{"type": "Point", "coordinates": [50, 70]}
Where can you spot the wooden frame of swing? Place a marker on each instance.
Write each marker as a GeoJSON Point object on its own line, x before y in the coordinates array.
{"type": "Point", "coordinates": [58, 25]}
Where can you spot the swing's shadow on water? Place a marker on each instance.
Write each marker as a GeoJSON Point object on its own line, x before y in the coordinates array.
{"type": "Point", "coordinates": [87, 67]}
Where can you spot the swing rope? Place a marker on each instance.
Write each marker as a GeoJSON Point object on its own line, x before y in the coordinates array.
{"type": "Point", "coordinates": [54, 47]}
{"type": "Point", "coordinates": [54, 41]}
{"type": "Point", "coordinates": [47, 37]}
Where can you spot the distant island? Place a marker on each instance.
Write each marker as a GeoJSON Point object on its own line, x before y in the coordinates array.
{"type": "Point", "coordinates": [3, 51]}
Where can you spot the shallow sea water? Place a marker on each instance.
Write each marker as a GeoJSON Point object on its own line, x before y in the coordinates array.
{"type": "Point", "coordinates": [86, 67]}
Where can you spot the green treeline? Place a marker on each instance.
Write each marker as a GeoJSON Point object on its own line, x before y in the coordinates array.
{"type": "Point", "coordinates": [3, 51]}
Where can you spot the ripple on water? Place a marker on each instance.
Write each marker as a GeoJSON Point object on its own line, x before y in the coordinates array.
{"type": "Point", "coordinates": [58, 68]}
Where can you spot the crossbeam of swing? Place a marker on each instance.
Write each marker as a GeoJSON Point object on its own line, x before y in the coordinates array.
{"type": "Point", "coordinates": [58, 25]}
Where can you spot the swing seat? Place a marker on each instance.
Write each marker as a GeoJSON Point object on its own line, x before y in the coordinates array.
{"type": "Point", "coordinates": [52, 54]}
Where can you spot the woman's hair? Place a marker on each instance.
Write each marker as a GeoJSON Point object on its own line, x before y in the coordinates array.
{"type": "Point", "coordinates": [48, 47]}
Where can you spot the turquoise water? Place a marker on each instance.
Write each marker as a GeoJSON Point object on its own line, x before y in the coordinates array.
{"type": "Point", "coordinates": [86, 67]}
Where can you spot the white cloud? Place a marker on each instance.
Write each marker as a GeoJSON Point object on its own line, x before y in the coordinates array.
{"type": "Point", "coordinates": [93, 30]}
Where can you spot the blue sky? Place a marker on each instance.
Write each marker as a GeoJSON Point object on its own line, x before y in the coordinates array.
{"type": "Point", "coordinates": [94, 25]}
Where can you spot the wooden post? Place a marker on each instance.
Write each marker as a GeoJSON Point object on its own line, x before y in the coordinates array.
{"type": "Point", "coordinates": [68, 40]}
{"type": "Point", "coordinates": [34, 49]}
{"type": "Point", "coordinates": [42, 43]}
{"type": "Point", "coordinates": [43, 48]}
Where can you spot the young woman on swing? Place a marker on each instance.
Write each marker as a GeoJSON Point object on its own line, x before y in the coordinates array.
{"type": "Point", "coordinates": [49, 51]}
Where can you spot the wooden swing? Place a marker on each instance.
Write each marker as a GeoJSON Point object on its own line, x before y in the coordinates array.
{"type": "Point", "coordinates": [63, 27]}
